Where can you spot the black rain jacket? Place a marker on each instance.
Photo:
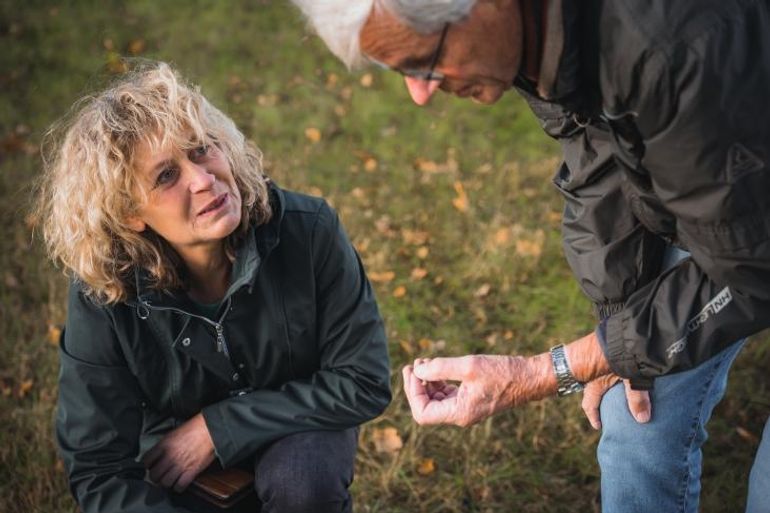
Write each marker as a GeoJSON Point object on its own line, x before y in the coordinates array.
{"type": "Point", "coordinates": [663, 112]}
{"type": "Point", "coordinates": [302, 348]}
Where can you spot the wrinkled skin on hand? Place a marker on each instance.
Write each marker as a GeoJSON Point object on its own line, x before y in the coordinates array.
{"type": "Point", "coordinates": [639, 403]}
{"type": "Point", "coordinates": [181, 455]}
{"type": "Point", "coordinates": [487, 385]}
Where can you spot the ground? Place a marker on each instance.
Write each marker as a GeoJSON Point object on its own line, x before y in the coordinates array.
{"type": "Point", "coordinates": [450, 206]}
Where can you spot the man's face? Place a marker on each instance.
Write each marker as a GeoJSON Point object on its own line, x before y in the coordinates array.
{"type": "Point", "coordinates": [478, 59]}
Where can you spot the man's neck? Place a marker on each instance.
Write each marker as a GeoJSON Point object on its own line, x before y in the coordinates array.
{"type": "Point", "coordinates": [532, 20]}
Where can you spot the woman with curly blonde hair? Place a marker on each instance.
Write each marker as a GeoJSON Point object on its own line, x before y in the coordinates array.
{"type": "Point", "coordinates": [212, 315]}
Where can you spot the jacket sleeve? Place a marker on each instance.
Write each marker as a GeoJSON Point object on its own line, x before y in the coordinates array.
{"type": "Point", "coordinates": [99, 417]}
{"type": "Point", "coordinates": [352, 384]}
{"type": "Point", "coordinates": [706, 148]}
{"type": "Point", "coordinates": [609, 251]}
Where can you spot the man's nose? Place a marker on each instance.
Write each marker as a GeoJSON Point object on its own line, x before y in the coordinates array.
{"type": "Point", "coordinates": [420, 89]}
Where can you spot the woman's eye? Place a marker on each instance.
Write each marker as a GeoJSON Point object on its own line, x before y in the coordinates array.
{"type": "Point", "coordinates": [199, 152]}
{"type": "Point", "coordinates": [166, 176]}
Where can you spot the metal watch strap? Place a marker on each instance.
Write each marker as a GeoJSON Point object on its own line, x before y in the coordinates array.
{"type": "Point", "coordinates": [564, 378]}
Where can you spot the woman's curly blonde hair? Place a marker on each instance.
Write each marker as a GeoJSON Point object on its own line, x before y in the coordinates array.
{"type": "Point", "coordinates": [89, 186]}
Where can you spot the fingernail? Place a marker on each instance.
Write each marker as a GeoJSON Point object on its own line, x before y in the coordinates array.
{"type": "Point", "coordinates": [642, 417]}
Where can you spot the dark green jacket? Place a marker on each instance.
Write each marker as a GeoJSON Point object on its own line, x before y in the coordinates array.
{"type": "Point", "coordinates": [302, 348]}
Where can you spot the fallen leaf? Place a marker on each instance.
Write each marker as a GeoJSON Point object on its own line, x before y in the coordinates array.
{"type": "Point", "coordinates": [554, 217]}
{"type": "Point", "coordinates": [483, 290]}
{"type": "Point", "coordinates": [419, 273]}
{"type": "Point", "coordinates": [387, 440]}
{"type": "Point", "coordinates": [414, 237]}
{"type": "Point", "coordinates": [426, 467]}
{"type": "Point", "coordinates": [382, 277]}
{"type": "Point", "coordinates": [54, 332]}
{"type": "Point", "coordinates": [370, 164]}
{"type": "Point", "coordinates": [528, 248]}
{"type": "Point", "coordinates": [422, 252]}
{"type": "Point", "coordinates": [399, 291]}
{"type": "Point", "coordinates": [313, 134]}
{"type": "Point", "coordinates": [331, 80]}
{"type": "Point", "coordinates": [406, 346]}
{"type": "Point", "coordinates": [502, 236]}
{"type": "Point", "coordinates": [136, 46]}
{"type": "Point", "coordinates": [747, 435]}
{"type": "Point", "coordinates": [425, 344]}
{"type": "Point", "coordinates": [426, 166]}
{"type": "Point", "coordinates": [10, 280]}
{"type": "Point", "coordinates": [461, 201]}
{"type": "Point", "coordinates": [367, 80]}
{"type": "Point", "coordinates": [358, 193]}
{"type": "Point", "coordinates": [24, 387]}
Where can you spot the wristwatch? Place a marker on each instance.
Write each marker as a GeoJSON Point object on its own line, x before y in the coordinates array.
{"type": "Point", "coordinates": [564, 377]}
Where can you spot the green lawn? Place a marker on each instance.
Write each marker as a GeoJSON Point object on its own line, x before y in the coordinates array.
{"type": "Point", "coordinates": [450, 206]}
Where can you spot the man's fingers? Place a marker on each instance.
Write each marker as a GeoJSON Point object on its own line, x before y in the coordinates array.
{"type": "Point", "coordinates": [416, 395]}
{"type": "Point", "coordinates": [443, 369]}
{"type": "Point", "coordinates": [639, 403]}
{"type": "Point", "coordinates": [592, 398]}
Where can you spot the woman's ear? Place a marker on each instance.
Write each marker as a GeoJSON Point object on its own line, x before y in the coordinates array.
{"type": "Point", "coordinates": [136, 224]}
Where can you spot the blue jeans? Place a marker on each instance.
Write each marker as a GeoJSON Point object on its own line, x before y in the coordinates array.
{"type": "Point", "coordinates": [657, 466]}
{"type": "Point", "coordinates": [759, 479]}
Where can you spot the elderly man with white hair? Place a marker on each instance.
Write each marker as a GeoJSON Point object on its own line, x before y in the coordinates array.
{"type": "Point", "coordinates": [661, 109]}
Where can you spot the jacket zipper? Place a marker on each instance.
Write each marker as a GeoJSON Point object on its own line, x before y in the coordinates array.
{"type": "Point", "coordinates": [220, 330]}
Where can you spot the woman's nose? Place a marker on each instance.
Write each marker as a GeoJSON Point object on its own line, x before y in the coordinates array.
{"type": "Point", "coordinates": [201, 178]}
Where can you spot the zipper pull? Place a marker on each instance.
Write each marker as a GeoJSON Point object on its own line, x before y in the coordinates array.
{"type": "Point", "coordinates": [220, 338]}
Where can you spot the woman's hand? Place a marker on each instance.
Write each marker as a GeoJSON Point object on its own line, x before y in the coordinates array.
{"type": "Point", "coordinates": [639, 403]}
{"type": "Point", "coordinates": [181, 455]}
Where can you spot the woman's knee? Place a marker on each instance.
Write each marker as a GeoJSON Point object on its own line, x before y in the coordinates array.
{"type": "Point", "coordinates": [307, 472]}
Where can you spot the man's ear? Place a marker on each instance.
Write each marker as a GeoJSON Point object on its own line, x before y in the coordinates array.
{"type": "Point", "coordinates": [136, 224]}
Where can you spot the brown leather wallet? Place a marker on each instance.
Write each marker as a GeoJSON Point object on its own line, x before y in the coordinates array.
{"type": "Point", "coordinates": [222, 487]}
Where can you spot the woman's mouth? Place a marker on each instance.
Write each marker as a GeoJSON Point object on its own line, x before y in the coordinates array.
{"type": "Point", "coordinates": [215, 205]}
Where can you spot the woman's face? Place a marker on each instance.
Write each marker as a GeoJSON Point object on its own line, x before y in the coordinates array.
{"type": "Point", "coordinates": [193, 201]}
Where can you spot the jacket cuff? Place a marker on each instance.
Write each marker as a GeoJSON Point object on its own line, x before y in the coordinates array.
{"type": "Point", "coordinates": [621, 360]}
{"type": "Point", "coordinates": [605, 310]}
{"type": "Point", "coordinates": [224, 448]}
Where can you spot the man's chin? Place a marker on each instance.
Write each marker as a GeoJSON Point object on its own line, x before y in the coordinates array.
{"type": "Point", "coordinates": [487, 97]}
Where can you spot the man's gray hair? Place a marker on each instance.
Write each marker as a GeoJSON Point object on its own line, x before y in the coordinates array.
{"type": "Point", "coordinates": [338, 22]}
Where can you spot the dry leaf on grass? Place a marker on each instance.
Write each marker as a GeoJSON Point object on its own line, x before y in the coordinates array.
{"type": "Point", "coordinates": [419, 273]}
{"type": "Point", "coordinates": [422, 252]}
{"type": "Point", "coordinates": [387, 440]}
{"type": "Point", "coordinates": [24, 387]}
{"type": "Point", "coordinates": [461, 201]}
{"type": "Point", "coordinates": [426, 467]}
{"type": "Point", "coordinates": [483, 290]}
{"type": "Point", "coordinates": [399, 291]}
{"type": "Point", "coordinates": [383, 277]}
{"type": "Point", "coordinates": [54, 332]}
{"type": "Point", "coordinates": [367, 80]}
{"type": "Point", "coordinates": [313, 134]}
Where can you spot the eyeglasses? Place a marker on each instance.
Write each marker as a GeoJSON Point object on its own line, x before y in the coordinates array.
{"type": "Point", "coordinates": [428, 75]}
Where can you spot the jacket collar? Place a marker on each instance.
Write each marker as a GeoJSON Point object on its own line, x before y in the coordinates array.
{"type": "Point", "coordinates": [255, 247]}
{"type": "Point", "coordinates": [567, 46]}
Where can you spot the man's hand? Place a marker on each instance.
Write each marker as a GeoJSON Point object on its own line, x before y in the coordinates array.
{"type": "Point", "coordinates": [639, 403]}
{"type": "Point", "coordinates": [181, 455]}
{"type": "Point", "coordinates": [488, 384]}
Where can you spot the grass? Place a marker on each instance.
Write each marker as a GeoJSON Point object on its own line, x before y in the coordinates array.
{"type": "Point", "coordinates": [480, 273]}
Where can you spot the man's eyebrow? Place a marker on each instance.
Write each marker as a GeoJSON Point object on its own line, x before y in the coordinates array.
{"type": "Point", "coordinates": [413, 62]}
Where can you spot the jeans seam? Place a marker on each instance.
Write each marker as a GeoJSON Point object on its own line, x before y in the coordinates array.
{"type": "Point", "coordinates": [696, 421]}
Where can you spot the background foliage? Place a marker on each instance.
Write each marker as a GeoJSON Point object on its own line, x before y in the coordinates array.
{"type": "Point", "coordinates": [450, 206]}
